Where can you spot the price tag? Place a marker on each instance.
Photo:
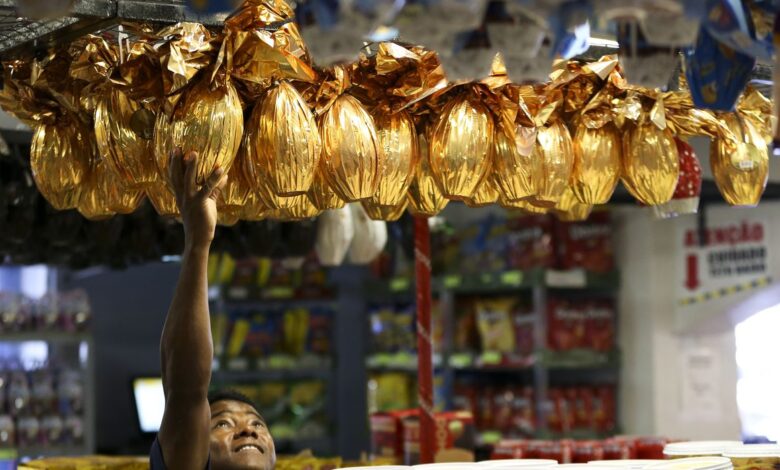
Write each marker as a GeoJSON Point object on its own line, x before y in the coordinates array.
{"type": "Point", "coordinates": [452, 281]}
{"type": "Point", "coordinates": [399, 284]}
{"type": "Point", "coordinates": [490, 358]}
{"type": "Point", "coordinates": [746, 164]}
{"type": "Point", "coordinates": [238, 292]}
{"type": "Point", "coordinates": [460, 360]}
{"type": "Point", "coordinates": [571, 278]}
{"type": "Point", "coordinates": [279, 292]}
{"type": "Point", "coordinates": [512, 278]}
{"type": "Point", "coordinates": [490, 437]}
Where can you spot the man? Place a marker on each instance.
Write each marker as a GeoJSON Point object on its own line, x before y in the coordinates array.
{"type": "Point", "coordinates": [225, 431]}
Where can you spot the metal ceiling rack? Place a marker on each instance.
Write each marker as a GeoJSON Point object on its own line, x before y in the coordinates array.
{"type": "Point", "coordinates": [21, 36]}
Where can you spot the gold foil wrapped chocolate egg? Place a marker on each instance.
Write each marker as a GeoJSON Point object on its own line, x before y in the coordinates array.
{"type": "Point", "coordinates": [460, 147]}
{"type": "Point", "coordinates": [399, 152]}
{"type": "Point", "coordinates": [597, 159]}
{"type": "Point", "coordinates": [553, 160]}
{"type": "Point", "coordinates": [209, 122]}
{"type": "Point", "coordinates": [254, 209]}
{"type": "Point", "coordinates": [60, 159]}
{"type": "Point", "coordinates": [485, 195]}
{"type": "Point", "coordinates": [350, 160]}
{"type": "Point", "coordinates": [571, 209]}
{"type": "Point", "coordinates": [425, 197]}
{"type": "Point", "coordinates": [227, 218]}
{"type": "Point", "coordinates": [525, 205]}
{"type": "Point", "coordinates": [651, 165]}
{"type": "Point", "coordinates": [322, 196]}
{"type": "Point", "coordinates": [162, 199]}
{"type": "Point", "coordinates": [300, 208]}
{"type": "Point", "coordinates": [513, 164]}
{"type": "Point", "coordinates": [235, 193]}
{"type": "Point", "coordinates": [386, 213]}
{"type": "Point", "coordinates": [285, 140]}
{"type": "Point", "coordinates": [740, 173]}
{"type": "Point", "coordinates": [124, 134]}
{"type": "Point", "coordinates": [103, 194]}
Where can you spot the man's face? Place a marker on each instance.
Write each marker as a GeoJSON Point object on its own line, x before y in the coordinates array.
{"type": "Point", "coordinates": [239, 438]}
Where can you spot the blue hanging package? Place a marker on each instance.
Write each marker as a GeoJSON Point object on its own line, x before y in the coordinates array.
{"type": "Point", "coordinates": [716, 73]}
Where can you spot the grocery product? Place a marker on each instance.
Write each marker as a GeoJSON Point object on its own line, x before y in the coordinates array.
{"type": "Point", "coordinates": [454, 438]}
{"type": "Point", "coordinates": [678, 450]}
{"type": "Point", "coordinates": [694, 463]}
{"type": "Point", "coordinates": [754, 456]}
{"type": "Point", "coordinates": [387, 433]}
{"type": "Point", "coordinates": [586, 244]}
{"type": "Point", "coordinates": [625, 464]}
{"type": "Point", "coordinates": [517, 463]}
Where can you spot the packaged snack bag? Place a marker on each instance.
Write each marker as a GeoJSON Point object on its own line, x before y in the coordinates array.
{"type": "Point", "coordinates": [494, 319]}
{"type": "Point", "coordinates": [587, 245]}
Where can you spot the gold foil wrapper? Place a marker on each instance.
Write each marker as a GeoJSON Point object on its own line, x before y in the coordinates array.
{"type": "Point", "coordinates": [758, 109]}
{"type": "Point", "coordinates": [485, 195]}
{"type": "Point", "coordinates": [513, 162]}
{"type": "Point", "coordinates": [386, 213]}
{"type": "Point", "coordinates": [184, 50]}
{"type": "Point", "coordinates": [525, 205]}
{"type": "Point", "coordinates": [209, 122]}
{"type": "Point", "coordinates": [300, 208]}
{"type": "Point", "coordinates": [234, 195]}
{"type": "Point", "coordinates": [460, 147]}
{"type": "Point", "coordinates": [399, 153]}
{"type": "Point", "coordinates": [254, 210]}
{"type": "Point", "coordinates": [285, 140]}
{"type": "Point", "coordinates": [740, 174]}
{"type": "Point", "coordinates": [263, 45]}
{"type": "Point", "coordinates": [322, 196]}
{"type": "Point", "coordinates": [350, 160]}
{"type": "Point", "coordinates": [425, 197]}
{"type": "Point", "coordinates": [597, 160]}
{"type": "Point", "coordinates": [553, 162]}
{"type": "Point", "coordinates": [103, 194]}
{"type": "Point", "coordinates": [139, 75]}
{"type": "Point", "coordinates": [228, 218]}
{"type": "Point", "coordinates": [60, 160]}
{"type": "Point", "coordinates": [162, 199]}
{"type": "Point", "coordinates": [651, 165]}
{"type": "Point", "coordinates": [124, 134]}
{"type": "Point", "coordinates": [571, 209]}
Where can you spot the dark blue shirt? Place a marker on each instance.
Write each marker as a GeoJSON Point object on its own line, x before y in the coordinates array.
{"type": "Point", "coordinates": [156, 461]}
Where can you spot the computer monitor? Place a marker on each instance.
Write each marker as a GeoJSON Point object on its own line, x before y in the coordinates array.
{"type": "Point", "coordinates": [149, 403]}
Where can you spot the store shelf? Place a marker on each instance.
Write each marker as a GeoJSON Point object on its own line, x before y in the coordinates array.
{"type": "Point", "coordinates": [263, 375]}
{"type": "Point", "coordinates": [503, 281]}
{"type": "Point", "coordinates": [47, 336]}
{"type": "Point", "coordinates": [397, 362]}
{"type": "Point", "coordinates": [248, 295]}
{"type": "Point", "coordinates": [498, 362]}
{"type": "Point", "coordinates": [51, 451]}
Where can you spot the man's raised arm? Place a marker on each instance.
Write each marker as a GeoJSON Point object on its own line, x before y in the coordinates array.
{"type": "Point", "coordinates": [186, 347]}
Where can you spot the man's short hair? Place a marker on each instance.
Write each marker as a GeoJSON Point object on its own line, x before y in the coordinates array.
{"type": "Point", "coordinates": [231, 395]}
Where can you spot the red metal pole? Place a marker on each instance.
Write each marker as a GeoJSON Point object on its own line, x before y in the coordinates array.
{"type": "Point", "coordinates": [422, 265]}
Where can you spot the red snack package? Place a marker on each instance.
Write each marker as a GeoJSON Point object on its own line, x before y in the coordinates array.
{"type": "Point", "coordinates": [455, 437]}
{"type": "Point", "coordinates": [530, 242]}
{"type": "Point", "coordinates": [503, 401]}
{"type": "Point", "coordinates": [586, 245]}
{"type": "Point", "coordinates": [387, 433]}
{"type": "Point", "coordinates": [618, 449]}
{"type": "Point", "coordinates": [523, 415]}
{"type": "Point", "coordinates": [523, 321]}
{"type": "Point", "coordinates": [604, 408]}
{"type": "Point", "coordinates": [560, 451]}
{"type": "Point", "coordinates": [510, 449]}
{"type": "Point", "coordinates": [600, 325]}
{"type": "Point", "coordinates": [587, 451]}
{"type": "Point", "coordinates": [581, 403]}
{"type": "Point", "coordinates": [651, 447]}
{"type": "Point", "coordinates": [565, 325]}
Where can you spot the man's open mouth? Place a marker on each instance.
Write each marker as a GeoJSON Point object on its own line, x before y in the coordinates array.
{"type": "Point", "coordinates": [249, 448]}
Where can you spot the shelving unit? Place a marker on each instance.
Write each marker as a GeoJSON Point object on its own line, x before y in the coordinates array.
{"type": "Point", "coordinates": [541, 368]}
{"type": "Point", "coordinates": [64, 347]}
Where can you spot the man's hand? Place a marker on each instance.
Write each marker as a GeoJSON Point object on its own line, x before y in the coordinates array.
{"type": "Point", "coordinates": [198, 206]}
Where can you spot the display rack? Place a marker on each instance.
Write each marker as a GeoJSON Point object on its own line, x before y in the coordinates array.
{"type": "Point", "coordinates": [541, 369]}
{"type": "Point", "coordinates": [243, 372]}
{"type": "Point", "coordinates": [64, 345]}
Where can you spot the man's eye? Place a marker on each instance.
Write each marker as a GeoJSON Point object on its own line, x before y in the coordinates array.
{"type": "Point", "coordinates": [258, 424]}
{"type": "Point", "coordinates": [223, 424]}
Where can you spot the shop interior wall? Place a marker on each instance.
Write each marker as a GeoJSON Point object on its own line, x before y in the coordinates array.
{"type": "Point", "coordinates": [129, 310]}
{"type": "Point", "coordinates": [658, 335]}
